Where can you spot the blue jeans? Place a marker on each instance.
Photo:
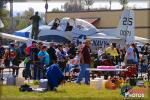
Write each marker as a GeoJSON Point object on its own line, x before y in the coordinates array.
{"type": "Point", "coordinates": [84, 73]}
{"type": "Point", "coordinates": [36, 74]}
{"type": "Point", "coordinates": [28, 68]}
{"type": "Point", "coordinates": [69, 67]}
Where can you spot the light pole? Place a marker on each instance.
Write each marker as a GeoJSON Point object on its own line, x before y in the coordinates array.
{"type": "Point", "coordinates": [110, 2]}
{"type": "Point", "coordinates": [11, 15]}
{"type": "Point", "coordinates": [46, 8]}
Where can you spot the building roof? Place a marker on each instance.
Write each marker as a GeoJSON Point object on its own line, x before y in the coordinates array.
{"type": "Point", "coordinates": [101, 10]}
{"type": "Point", "coordinates": [91, 20]}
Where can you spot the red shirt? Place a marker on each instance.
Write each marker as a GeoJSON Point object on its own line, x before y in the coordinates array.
{"type": "Point", "coordinates": [28, 49]}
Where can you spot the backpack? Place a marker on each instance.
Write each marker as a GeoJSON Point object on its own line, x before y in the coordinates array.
{"type": "Point", "coordinates": [24, 88]}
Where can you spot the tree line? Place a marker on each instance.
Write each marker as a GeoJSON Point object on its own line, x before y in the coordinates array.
{"type": "Point", "coordinates": [21, 20]}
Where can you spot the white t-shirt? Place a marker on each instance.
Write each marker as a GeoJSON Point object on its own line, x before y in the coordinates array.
{"type": "Point", "coordinates": [100, 52]}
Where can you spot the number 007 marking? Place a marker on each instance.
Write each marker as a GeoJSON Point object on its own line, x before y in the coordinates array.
{"type": "Point", "coordinates": [125, 33]}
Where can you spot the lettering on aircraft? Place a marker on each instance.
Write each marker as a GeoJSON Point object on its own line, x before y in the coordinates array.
{"type": "Point", "coordinates": [127, 21]}
{"type": "Point", "coordinates": [99, 42]}
{"type": "Point", "coordinates": [75, 40]}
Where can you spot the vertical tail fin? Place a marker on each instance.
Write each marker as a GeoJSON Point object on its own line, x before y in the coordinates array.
{"type": "Point", "coordinates": [126, 28]}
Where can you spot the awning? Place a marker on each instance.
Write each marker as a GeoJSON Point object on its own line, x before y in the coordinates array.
{"type": "Point", "coordinates": [91, 20]}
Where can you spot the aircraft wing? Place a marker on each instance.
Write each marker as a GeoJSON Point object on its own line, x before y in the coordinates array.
{"type": "Point", "coordinates": [103, 36]}
{"type": "Point", "coordinates": [20, 39]}
{"type": "Point", "coordinates": [140, 39]}
{"type": "Point", "coordinates": [13, 37]}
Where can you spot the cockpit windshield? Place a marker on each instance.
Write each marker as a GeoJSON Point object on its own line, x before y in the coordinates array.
{"type": "Point", "coordinates": [77, 26]}
{"type": "Point", "coordinates": [84, 24]}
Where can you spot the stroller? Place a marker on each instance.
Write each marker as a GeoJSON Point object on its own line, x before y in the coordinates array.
{"type": "Point", "coordinates": [132, 71]}
{"type": "Point", "coordinates": [103, 60]}
{"type": "Point", "coordinates": [72, 69]}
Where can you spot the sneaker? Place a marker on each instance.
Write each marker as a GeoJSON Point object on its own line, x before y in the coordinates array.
{"type": "Point", "coordinates": [87, 83]}
{"type": "Point", "coordinates": [78, 83]}
{"type": "Point", "coordinates": [53, 89]}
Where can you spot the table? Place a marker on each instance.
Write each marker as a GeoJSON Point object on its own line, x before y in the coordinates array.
{"type": "Point", "coordinates": [11, 67]}
{"type": "Point", "coordinates": [105, 70]}
{"type": "Point", "coordinates": [95, 69]}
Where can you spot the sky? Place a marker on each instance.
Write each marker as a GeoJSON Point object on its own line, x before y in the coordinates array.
{"type": "Point", "coordinates": [40, 6]}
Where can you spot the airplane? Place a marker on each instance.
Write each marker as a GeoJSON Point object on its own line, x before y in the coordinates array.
{"type": "Point", "coordinates": [76, 30]}
{"type": "Point", "coordinates": [69, 29]}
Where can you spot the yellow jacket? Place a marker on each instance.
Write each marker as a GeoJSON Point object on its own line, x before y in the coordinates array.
{"type": "Point", "coordinates": [112, 52]}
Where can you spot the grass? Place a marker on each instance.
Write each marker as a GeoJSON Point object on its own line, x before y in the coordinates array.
{"type": "Point", "coordinates": [69, 91]}
{"type": "Point", "coordinates": [147, 83]}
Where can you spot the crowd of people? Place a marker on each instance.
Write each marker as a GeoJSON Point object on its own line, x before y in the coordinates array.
{"type": "Point", "coordinates": [37, 57]}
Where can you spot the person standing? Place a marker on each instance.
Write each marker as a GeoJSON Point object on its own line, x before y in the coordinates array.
{"type": "Point", "coordinates": [85, 61]}
{"type": "Point", "coordinates": [2, 51]}
{"type": "Point", "coordinates": [32, 51]}
{"type": "Point", "coordinates": [17, 60]}
{"type": "Point", "coordinates": [100, 51]}
{"type": "Point", "coordinates": [112, 52]}
{"type": "Point", "coordinates": [61, 57]}
{"type": "Point", "coordinates": [130, 55]}
{"type": "Point", "coordinates": [136, 51]}
{"type": "Point", "coordinates": [72, 50]}
{"type": "Point", "coordinates": [52, 52]}
{"type": "Point", "coordinates": [44, 61]}
{"type": "Point", "coordinates": [35, 25]}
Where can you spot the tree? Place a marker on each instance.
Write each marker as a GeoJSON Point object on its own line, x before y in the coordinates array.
{"type": "Point", "coordinates": [56, 10]}
{"type": "Point", "coordinates": [89, 3]}
{"type": "Point", "coordinates": [73, 6]}
{"type": "Point", "coordinates": [4, 15]}
{"type": "Point", "coordinates": [21, 24]}
{"type": "Point", "coordinates": [28, 13]}
{"type": "Point", "coordinates": [2, 3]}
{"type": "Point", "coordinates": [22, 21]}
{"type": "Point", "coordinates": [123, 3]}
